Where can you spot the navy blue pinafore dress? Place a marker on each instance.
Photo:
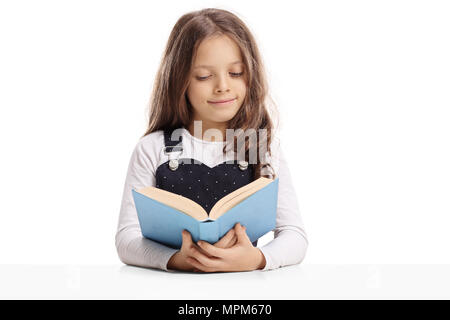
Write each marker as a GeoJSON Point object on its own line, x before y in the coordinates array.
{"type": "Point", "coordinates": [193, 179]}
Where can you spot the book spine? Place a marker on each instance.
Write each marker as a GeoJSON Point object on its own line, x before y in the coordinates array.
{"type": "Point", "coordinates": [209, 231]}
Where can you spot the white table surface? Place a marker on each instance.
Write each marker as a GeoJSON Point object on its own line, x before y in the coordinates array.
{"type": "Point", "coordinates": [304, 281]}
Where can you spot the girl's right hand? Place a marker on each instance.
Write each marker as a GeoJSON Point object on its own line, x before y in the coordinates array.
{"type": "Point", "coordinates": [227, 241]}
{"type": "Point", "coordinates": [190, 249]}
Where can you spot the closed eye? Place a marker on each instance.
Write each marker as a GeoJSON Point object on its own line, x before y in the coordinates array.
{"type": "Point", "coordinates": [234, 74]}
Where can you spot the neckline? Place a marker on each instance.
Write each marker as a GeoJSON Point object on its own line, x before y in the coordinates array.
{"type": "Point", "coordinates": [188, 134]}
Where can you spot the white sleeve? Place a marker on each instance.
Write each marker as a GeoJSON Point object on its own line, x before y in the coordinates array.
{"type": "Point", "coordinates": [132, 247]}
{"type": "Point", "coordinates": [290, 239]}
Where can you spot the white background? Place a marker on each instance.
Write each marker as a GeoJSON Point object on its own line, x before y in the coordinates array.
{"type": "Point", "coordinates": [363, 94]}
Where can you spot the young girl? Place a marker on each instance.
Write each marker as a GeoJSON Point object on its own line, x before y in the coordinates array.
{"type": "Point", "coordinates": [211, 80]}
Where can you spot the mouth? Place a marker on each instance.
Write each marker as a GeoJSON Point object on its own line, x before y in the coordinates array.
{"type": "Point", "coordinates": [222, 102]}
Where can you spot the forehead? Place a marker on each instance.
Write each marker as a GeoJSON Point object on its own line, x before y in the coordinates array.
{"type": "Point", "coordinates": [217, 52]}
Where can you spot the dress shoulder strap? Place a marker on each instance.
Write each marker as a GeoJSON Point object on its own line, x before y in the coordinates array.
{"type": "Point", "coordinates": [172, 145]}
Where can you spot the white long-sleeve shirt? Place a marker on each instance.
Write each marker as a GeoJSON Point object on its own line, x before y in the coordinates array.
{"type": "Point", "coordinates": [288, 246]}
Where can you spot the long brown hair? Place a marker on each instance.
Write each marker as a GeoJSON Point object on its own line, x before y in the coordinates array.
{"type": "Point", "coordinates": [169, 106]}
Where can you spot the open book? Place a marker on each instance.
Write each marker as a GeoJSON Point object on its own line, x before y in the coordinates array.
{"type": "Point", "coordinates": [163, 215]}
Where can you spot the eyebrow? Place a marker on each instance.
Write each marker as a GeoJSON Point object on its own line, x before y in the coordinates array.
{"type": "Point", "coordinates": [205, 66]}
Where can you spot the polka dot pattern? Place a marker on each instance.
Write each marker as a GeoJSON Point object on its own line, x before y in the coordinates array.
{"type": "Point", "coordinates": [201, 183]}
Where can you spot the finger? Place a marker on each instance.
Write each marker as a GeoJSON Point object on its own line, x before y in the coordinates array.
{"type": "Point", "coordinates": [205, 260]}
{"type": "Point", "coordinates": [186, 237]}
{"type": "Point", "coordinates": [198, 265]}
{"type": "Point", "coordinates": [206, 254]}
{"type": "Point", "coordinates": [241, 234]}
{"type": "Point", "coordinates": [226, 239]}
{"type": "Point", "coordinates": [232, 242]}
{"type": "Point", "coordinates": [212, 250]}
{"type": "Point", "coordinates": [201, 250]}
{"type": "Point", "coordinates": [188, 243]}
{"type": "Point", "coordinates": [230, 234]}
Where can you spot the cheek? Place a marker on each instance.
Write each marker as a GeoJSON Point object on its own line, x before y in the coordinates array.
{"type": "Point", "coordinates": [242, 90]}
{"type": "Point", "coordinates": [197, 93]}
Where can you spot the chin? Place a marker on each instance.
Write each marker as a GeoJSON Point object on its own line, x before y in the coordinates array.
{"type": "Point", "coordinates": [220, 119]}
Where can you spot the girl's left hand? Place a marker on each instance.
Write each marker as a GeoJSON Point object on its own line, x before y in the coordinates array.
{"type": "Point", "coordinates": [243, 256]}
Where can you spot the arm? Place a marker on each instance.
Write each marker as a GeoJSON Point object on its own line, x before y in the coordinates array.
{"type": "Point", "coordinates": [132, 247]}
{"type": "Point", "coordinates": [290, 241]}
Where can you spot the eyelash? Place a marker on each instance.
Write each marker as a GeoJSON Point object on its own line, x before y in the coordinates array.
{"type": "Point", "coordinates": [234, 74]}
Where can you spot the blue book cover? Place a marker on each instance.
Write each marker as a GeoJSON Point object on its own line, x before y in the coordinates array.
{"type": "Point", "coordinates": [163, 215]}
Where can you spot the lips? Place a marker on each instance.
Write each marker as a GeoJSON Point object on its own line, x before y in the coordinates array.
{"type": "Point", "coordinates": [222, 101]}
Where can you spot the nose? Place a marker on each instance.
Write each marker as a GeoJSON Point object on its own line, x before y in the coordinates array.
{"type": "Point", "coordinates": [222, 85]}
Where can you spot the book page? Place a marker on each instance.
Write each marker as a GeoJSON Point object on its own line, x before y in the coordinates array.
{"type": "Point", "coordinates": [176, 201]}
{"type": "Point", "coordinates": [237, 196]}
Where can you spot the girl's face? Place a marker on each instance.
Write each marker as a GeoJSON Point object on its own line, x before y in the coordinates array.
{"type": "Point", "coordinates": [218, 74]}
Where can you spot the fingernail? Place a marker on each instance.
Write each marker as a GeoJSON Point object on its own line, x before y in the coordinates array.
{"type": "Point", "coordinates": [199, 243]}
